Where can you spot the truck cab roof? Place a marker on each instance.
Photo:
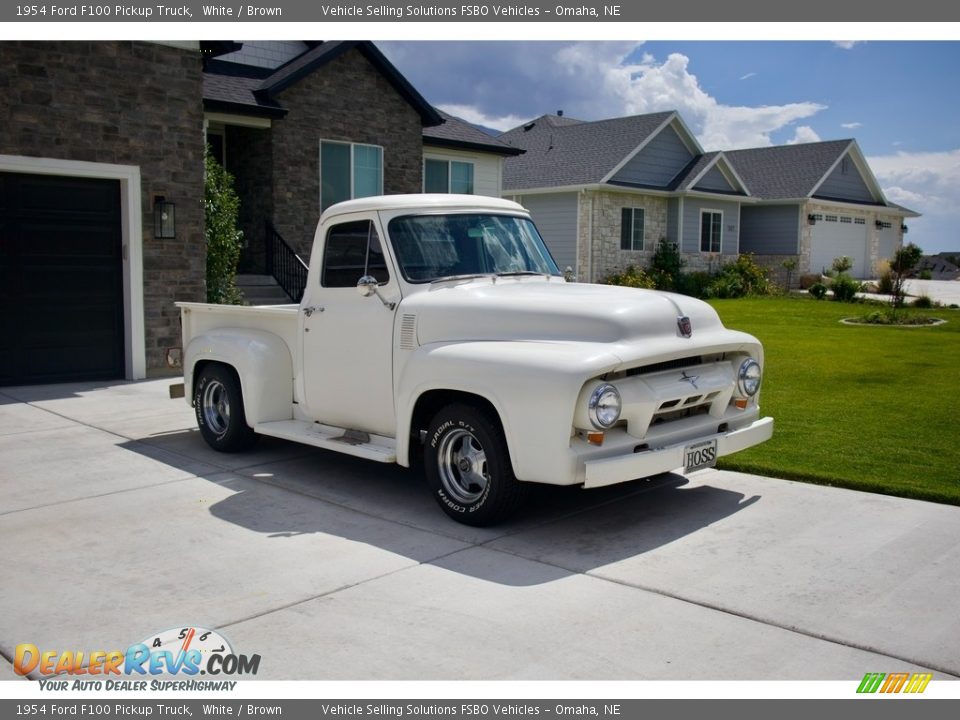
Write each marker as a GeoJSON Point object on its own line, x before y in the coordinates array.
{"type": "Point", "coordinates": [422, 201]}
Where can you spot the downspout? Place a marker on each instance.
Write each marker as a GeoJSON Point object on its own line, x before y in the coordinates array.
{"type": "Point", "coordinates": [589, 239]}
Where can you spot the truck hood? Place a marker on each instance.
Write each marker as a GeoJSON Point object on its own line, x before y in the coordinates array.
{"type": "Point", "coordinates": [534, 309]}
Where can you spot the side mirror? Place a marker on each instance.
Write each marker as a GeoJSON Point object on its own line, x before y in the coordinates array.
{"type": "Point", "coordinates": [367, 285]}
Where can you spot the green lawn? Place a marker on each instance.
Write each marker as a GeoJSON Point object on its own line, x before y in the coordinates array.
{"type": "Point", "coordinates": [869, 408]}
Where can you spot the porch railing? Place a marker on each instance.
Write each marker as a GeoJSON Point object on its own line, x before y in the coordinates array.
{"type": "Point", "coordinates": [285, 265]}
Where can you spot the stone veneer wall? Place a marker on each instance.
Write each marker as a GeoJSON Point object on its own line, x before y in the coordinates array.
{"type": "Point", "coordinates": [125, 103]}
{"type": "Point", "coordinates": [600, 219]}
{"type": "Point", "coordinates": [346, 100]}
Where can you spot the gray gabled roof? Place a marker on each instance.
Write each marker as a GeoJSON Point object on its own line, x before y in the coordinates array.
{"type": "Point", "coordinates": [239, 88]}
{"type": "Point", "coordinates": [786, 172]}
{"type": "Point", "coordinates": [689, 174]}
{"type": "Point", "coordinates": [561, 151]}
{"type": "Point", "coordinates": [459, 134]}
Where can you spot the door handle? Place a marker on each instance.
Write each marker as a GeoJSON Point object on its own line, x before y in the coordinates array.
{"type": "Point", "coordinates": [310, 309]}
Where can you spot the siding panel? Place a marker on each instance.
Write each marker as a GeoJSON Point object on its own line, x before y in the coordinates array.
{"type": "Point", "coordinates": [770, 229]}
{"type": "Point", "coordinates": [658, 163]}
{"type": "Point", "coordinates": [691, 224]}
{"type": "Point", "coordinates": [555, 216]}
{"type": "Point", "coordinates": [845, 186]}
{"type": "Point", "coordinates": [673, 219]}
{"type": "Point", "coordinates": [714, 180]}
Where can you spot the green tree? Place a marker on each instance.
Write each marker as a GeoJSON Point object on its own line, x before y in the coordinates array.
{"type": "Point", "coordinates": [904, 260]}
{"type": "Point", "coordinates": [224, 240]}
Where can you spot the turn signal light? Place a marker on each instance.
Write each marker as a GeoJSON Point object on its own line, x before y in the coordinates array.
{"type": "Point", "coordinates": [741, 403]}
{"type": "Point", "coordinates": [595, 437]}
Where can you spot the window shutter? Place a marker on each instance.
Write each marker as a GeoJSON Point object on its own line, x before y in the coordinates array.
{"type": "Point", "coordinates": [626, 228]}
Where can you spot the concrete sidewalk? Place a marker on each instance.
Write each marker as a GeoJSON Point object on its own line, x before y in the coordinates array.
{"type": "Point", "coordinates": [117, 521]}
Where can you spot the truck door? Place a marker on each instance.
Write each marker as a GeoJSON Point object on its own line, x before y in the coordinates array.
{"type": "Point", "coordinates": [348, 337]}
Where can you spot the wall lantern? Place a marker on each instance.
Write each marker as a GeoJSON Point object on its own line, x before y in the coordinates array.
{"type": "Point", "coordinates": [812, 219]}
{"type": "Point", "coordinates": [879, 224]}
{"type": "Point", "coordinates": [904, 228]}
{"type": "Point", "coordinates": [164, 219]}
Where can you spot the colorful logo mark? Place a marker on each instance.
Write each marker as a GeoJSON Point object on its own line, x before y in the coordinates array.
{"type": "Point", "coordinates": [894, 682]}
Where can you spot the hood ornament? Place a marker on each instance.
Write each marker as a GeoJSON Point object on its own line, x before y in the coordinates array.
{"type": "Point", "coordinates": [685, 326]}
{"type": "Point", "coordinates": [692, 379]}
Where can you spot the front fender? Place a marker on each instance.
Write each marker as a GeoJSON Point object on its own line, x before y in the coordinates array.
{"type": "Point", "coordinates": [532, 385]}
{"type": "Point", "coordinates": [262, 361]}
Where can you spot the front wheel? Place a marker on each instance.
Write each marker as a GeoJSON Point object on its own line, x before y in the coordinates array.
{"type": "Point", "coordinates": [467, 466]}
{"type": "Point", "coordinates": [218, 404]}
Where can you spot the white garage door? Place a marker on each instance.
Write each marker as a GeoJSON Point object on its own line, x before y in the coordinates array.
{"type": "Point", "coordinates": [889, 240]}
{"type": "Point", "coordinates": [836, 235]}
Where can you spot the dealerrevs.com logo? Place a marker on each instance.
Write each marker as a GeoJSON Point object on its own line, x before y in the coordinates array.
{"type": "Point", "coordinates": [894, 683]}
{"type": "Point", "coordinates": [186, 652]}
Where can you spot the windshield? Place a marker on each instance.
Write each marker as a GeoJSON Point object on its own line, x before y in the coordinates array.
{"type": "Point", "coordinates": [434, 247]}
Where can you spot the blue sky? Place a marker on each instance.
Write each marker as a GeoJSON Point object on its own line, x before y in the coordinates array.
{"type": "Point", "coordinates": [898, 99]}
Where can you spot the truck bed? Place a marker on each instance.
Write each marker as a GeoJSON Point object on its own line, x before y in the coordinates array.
{"type": "Point", "coordinates": [281, 320]}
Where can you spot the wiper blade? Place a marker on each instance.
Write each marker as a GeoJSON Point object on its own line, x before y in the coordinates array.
{"type": "Point", "coordinates": [467, 276]}
{"type": "Point", "coordinates": [522, 272]}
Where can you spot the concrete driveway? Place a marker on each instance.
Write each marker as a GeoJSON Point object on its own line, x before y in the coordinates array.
{"type": "Point", "coordinates": [117, 521]}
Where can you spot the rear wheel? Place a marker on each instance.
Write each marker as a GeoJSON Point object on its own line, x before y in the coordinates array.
{"type": "Point", "coordinates": [218, 405]}
{"type": "Point", "coordinates": [467, 465]}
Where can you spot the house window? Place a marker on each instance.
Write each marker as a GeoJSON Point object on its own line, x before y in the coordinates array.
{"type": "Point", "coordinates": [447, 176]}
{"type": "Point", "coordinates": [711, 230]}
{"type": "Point", "coordinates": [631, 229]}
{"type": "Point", "coordinates": [349, 170]}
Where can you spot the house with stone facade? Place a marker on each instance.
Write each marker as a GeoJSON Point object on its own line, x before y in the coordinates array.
{"type": "Point", "coordinates": [605, 193]}
{"type": "Point", "coordinates": [817, 201]}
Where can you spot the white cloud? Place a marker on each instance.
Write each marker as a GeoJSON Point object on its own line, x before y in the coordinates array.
{"type": "Point", "coordinates": [804, 134]}
{"type": "Point", "coordinates": [851, 125]}
{"type": "Point", "coordinates": [847, 44]}
{"type": "Point", "coordinates": [929, 183]}
{"type": "Point", "coordinates": [748, 76]}
{"type": "Point", "coordinates": [475, 116]}
{"type": "Point", "coordinates": [651, 87]}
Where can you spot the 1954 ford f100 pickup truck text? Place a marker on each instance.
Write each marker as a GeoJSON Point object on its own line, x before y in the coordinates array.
{"type": "Point", "coordinates": [439, 326]}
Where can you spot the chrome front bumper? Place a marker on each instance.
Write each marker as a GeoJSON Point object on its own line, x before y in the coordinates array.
{"type": "Point", "coordinates": [623, 468]}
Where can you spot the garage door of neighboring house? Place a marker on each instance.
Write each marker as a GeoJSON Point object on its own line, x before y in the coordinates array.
{"type": "Point", "coordinates": [61, 279]}
{"type": "Point", "coordinates": [836, 235]}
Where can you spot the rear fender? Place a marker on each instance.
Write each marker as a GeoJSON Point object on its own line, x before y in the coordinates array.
{"type": "Point", "coordinates": [261, 359]}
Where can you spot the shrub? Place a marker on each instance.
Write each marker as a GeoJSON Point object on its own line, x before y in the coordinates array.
{"type": "Point", "coordinates": [845, 288]}
{"type": "Point", "coordinates": [885, 284]}
{"type": "Point", "coordinates": [665, 266]}
{"type": "Point", "coordinates": [807, 280]}
{"type": "Point", "coordinates": [842, 264]}
{"type": "Point", "coordinates": [694, 284]}
{"type": "Point", "coordinates": [631, 277]}
{"type": "Point", "coordinates": [221, 209]}
{"type": "Point", "coordinates": [818, 290]}
{"type": "Point", "coordinates": [789, 265]}
{"type": "Point", "coordinates": [924, 302]}
{"type": "Point", "coordinates": [904, 260]}
{"type": "Point", "coordinates": [740, 278]}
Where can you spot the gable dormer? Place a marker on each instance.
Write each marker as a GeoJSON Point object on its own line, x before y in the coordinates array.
{"type": "Point", "coordinates": [846, 182]}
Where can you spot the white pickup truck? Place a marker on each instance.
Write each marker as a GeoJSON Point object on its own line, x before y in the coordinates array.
{"type": "Point", "coordinates": [439, 326]}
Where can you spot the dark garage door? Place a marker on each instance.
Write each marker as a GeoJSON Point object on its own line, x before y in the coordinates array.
{"type": "Point", "coordinates": [61, 279]}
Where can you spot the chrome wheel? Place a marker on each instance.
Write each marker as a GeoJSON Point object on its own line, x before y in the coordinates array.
{"type": "Point", "coordinates": [215, 406]}
{"type": "Point", "coordinates": [462, 465]}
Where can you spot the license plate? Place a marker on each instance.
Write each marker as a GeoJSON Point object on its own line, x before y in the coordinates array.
{"type": "Point", "coordinates": [699, 456]}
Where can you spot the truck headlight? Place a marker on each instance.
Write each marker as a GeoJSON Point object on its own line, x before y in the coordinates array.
{"type": "Point", "coordinates": [604, 406]}
{"type": "Point", "coordinates": [748, 377]}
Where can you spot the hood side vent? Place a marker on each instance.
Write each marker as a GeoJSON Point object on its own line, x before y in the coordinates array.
{"type": "Point", "coordinates": [408, 332]}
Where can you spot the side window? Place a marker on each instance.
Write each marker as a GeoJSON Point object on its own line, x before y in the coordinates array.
{"type": "Point", "coordinates": [351, 251]}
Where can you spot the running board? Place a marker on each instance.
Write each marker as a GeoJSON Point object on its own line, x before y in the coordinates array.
{"type": "Point", "coordinates": [350, 442]}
